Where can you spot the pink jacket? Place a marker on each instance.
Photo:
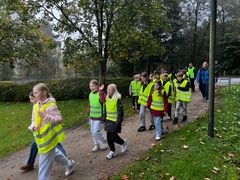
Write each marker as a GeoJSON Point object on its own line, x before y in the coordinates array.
{"type": "Point", "coordinates": [51, 114]}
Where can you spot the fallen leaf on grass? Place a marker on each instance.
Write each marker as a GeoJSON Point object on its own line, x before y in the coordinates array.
{"type": "Point", "coordinates": [231, 155]}
{"type": "Point", "coordinates": [216, 169]}
{"type": "Point", "coordinates": [147, 158]}
{"type": "Point", "coordinates": [141, 174]}
{"type": "Point", "coordinates": [185, 146]}
{"type": "Point", "coordinates": [124, 177]}
{"type": "Point", "coordinates": [172, 178]}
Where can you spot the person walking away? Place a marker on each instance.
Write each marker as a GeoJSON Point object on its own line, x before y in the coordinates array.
{"type": "Point", "coordinates": [191, 71]}
{"type": "Point", "coordinates": [203, 80]}
{"type": "Point", "coordinates": [48, 131]}
{"type": "Point", "coordinates": [145, 90]}
{"type": "Point", "coordinates": [96, 101]}
{"type": "Point", "coordinates": [183, 96]}
{"type": "Point", "coordinates": [113, 115]}
{"type": "Point", "coordinates": [158, 104]}
{"type": "Point", "coordinates": [134, 89]}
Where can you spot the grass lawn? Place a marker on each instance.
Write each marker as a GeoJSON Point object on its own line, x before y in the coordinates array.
{"type": "Point", "coordinates": [16, 117]}
{"type": "Point", "coordinates": [190, 154]}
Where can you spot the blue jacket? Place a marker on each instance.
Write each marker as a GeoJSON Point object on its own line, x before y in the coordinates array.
{"type": "Point", "coordinates": [203, 75]}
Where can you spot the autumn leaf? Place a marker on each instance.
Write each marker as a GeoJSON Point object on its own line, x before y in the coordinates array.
{"type": "Point", "coordinates": [124, 177]}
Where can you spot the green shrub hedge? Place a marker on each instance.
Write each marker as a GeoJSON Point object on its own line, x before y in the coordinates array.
{"type": "Point", "coordinates": [75, 88]}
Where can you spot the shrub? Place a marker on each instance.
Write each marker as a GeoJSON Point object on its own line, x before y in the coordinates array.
{"type": "Point", "coordinates": [74, 88]}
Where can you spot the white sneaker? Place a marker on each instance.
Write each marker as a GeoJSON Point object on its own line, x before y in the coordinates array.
{"type": "Point", "coordinates": [95, 148]}
{"type": "Point", "coordinates": [103, 146]}
{"type": "Point", "coordinates": [111, 155]}
{"type": "Point", "coordinates": [157, 138]}
{"type": "Point", "coordinates": [69, 167]}
{"type": "Point", "coordinates": [124, 146]}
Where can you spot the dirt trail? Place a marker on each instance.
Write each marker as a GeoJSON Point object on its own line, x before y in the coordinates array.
{"type": "Point", "coordinates": [92, 166]}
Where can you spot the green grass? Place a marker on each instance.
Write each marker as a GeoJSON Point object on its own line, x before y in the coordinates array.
{"type": "Point", "coordinates": [16, 117]}
{"type": "Point", "coordinates": [202, 157]}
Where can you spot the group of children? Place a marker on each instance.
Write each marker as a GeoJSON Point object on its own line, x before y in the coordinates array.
{"type": "Point", "coordinates": [48, 132]}
{"type": "Point", "coordinates": [153, 96]}
{"type": "Point", "coordinates": [156, 94]}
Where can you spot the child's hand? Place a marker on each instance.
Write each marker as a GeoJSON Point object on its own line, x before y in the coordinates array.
{"type": "Point", "coordinates": [101, 87]}
{"type": "Point", "coordinates": [36, 128]}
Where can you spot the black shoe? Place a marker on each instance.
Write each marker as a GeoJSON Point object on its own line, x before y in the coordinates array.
{"type": "Point", "coordinates": [184, 118]}
{"type": "Point", "coordinates": [151, 127]}
{"type": "Point", "coordinates": [175, 120]}
{"type": "Point", "coordinates": [142, 128]}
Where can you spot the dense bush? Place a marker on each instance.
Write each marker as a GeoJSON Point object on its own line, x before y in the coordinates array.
{"type": "Point", "coordinates": [75, 88]}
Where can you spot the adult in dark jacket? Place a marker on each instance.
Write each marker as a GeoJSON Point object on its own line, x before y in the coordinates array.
{"type": "Point", "coordinates": [113, 115]}
{"type": "Point", "coordinates": [203, 80]}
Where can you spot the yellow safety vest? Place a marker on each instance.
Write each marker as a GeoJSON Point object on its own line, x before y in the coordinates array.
{"type": "Point", "coordinates": [95, 105]}
{"type": "Point", "coordinates": [183, 95]}
{"type": "Point", "coordinates": [135, 87]}
{"type": "Point", "coordinates": [191, 72]}
{"type": "Point", "coordinates": [143, 95]}
{"type": "Point", "coordinates": [49, 135]}
{"type": "Point", "coordinates": [157, 101]}
{"type": "Point", "coordinates": [111, 109]}
{"type": "Point", "coordinates": [166, 88]}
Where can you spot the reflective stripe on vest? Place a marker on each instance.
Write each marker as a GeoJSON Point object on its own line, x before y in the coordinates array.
{"type": "Point", "coordinates": [111, 109]}
{"type": "Point", "coordinates": [49, 135]}
{"type": "Point", "coordinates": [191, 72]}
{"type": "Point", "coordinates": [157, 101]}
{"type": "Point", "coordinates": [183, 95]}
{"type": "Point", "coordinates": [95, 105]}
{"type": "Point", "coordinates": [166, 88]}
{"type": "Point", "coordinates": [143, 96]}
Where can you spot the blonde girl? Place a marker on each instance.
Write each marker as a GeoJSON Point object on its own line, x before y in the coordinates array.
{"type": "Point", "coordinates": [46, 123]}
{"type": "Point", "coordinates": [114, 116]}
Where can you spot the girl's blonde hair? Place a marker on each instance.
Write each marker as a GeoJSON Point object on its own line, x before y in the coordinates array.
{"type": "Point", "coordinates": [116, 94]}
{"type": "Point", "coordinates": [43, 87]}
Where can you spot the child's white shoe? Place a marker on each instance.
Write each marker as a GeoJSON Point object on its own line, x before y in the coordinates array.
{"type": "Point", "coordinates": [69, 167]}
{"type": "Point", "coordinates": [157, 138]}
{"type": "Point", "coordinates": [111, 155]}
{"type": "Point", "coordinates": [124, 146]}
{"type": "Point", "coordinates": [95, 148]}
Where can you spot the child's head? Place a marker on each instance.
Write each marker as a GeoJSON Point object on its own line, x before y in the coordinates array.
{"type": "Point", "coordinates": [93, 85]}
{"type": "Point", "coordinates": [32, 98]}
{"type": "Point", "coordinates": [164, 76]}
{"type": "Point", "coordinates": [41, 92]}
{"type": "Point", "coordinates": [157, 85]}
{"type": "Point", "coordinates": [112, 91]}
{"type": "Point", "coordinates": [144, 77]}
{"type": "Point", "coordinates": [179, 76]}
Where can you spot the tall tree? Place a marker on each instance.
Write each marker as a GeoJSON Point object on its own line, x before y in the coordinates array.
{"type": "Point", "coordinates": [21, 41]}
{"type": "Point", "coordinates": [91, 27]}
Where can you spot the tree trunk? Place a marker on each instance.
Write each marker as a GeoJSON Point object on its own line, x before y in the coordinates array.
{"type": "Point", "coordinates": [102, 71]}
{"type": "Point", "coordinates": [194, 55]}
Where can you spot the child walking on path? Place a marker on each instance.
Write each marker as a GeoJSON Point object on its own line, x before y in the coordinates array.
{"type": "Point", "coordinates": [34, 149]}
{"type": "Point", "coordinates": [158, 104]}
{"type": "Point", "coordinates": [183, 96]}
{"type": "Point", "coordinates": [134, 89]}
{"type": "Point", "coordinates": [168, 88]}
{"type": "Point", "coordinates": [96, 101]}
{"type": "Point", "coordinates": [48, 131]}
{"type": "Point", "coordinates": [145, 90]}
{"type": "Point", "coordinates": [113, 114]}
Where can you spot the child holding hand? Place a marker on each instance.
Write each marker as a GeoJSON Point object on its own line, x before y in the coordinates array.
{"type": "Point", "coordinates": [96, 101]}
